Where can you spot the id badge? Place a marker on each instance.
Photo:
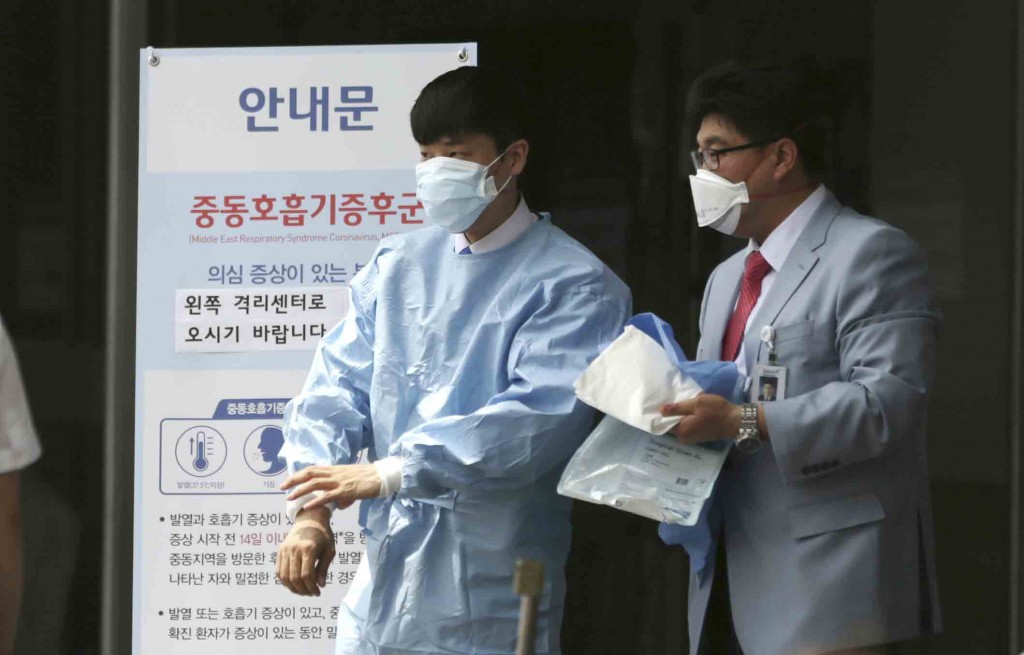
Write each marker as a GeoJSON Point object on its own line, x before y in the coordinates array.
{"type": "Point", "coordinates": [769, 378]}
{"type": "Point", "coordinates": [769, 382]}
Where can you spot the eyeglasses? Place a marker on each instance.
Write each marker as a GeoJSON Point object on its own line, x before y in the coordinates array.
{"type": "Point", "coordinates": [709, 158]}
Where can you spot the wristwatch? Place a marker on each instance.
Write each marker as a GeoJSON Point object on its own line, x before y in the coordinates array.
{"type": "Point", "coordinates": [749, 438]}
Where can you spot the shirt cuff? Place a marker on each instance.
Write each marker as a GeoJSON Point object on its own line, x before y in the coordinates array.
{"type": "Point", "coordinates": [15, 460]}
{"type": "Point", "coordinates": [390, 471]}
{"type": "Point", "coordinates": [294, 506]}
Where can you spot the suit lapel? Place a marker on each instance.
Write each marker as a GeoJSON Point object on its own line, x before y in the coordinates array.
{"type": "Point", "coordinates": [721, 300]}
{"type": "Point", "coordinates": [802, 259]}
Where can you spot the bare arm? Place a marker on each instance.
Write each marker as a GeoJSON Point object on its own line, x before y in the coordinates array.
{"type": "Point", "coordinates": [10, 561]}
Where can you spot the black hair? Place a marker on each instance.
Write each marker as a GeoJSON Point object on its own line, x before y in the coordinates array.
{"type": "Point", "coordinates": [469, 100]}
{"type": "Point", "coordinates": [771, 100]}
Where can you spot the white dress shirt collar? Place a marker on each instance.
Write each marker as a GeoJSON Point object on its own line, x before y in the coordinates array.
{"type": "Point", "coordinates": [775, 250]}
{"type": "Point", "coordinates": [503, 235]}
{"type": "Point", "coordinates": [780, 242]}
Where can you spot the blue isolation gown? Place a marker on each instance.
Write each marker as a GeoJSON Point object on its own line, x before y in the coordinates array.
{"type": "Point", "coordinates": [463, 366]}
{"type": "Point", "coordinates": [714, 377]}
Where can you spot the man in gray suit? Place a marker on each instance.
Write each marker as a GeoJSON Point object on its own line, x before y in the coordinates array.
{"type": "Point", "coordinates": [822, 515]}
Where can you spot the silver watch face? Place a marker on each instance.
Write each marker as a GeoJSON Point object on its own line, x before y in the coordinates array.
{"type": "Point", "coordinates": [749, 441]}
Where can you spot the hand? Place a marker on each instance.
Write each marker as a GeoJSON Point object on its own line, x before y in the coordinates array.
{"type": "Point", "coordinates": [307, 553]}
{"type": "Point", "coordinates": [343, 484]}
{"type": "Point", "coordinates": [705, 418]}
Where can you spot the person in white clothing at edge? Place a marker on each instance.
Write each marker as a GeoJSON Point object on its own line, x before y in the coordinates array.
{"type": "Point", "coordinates": [454, 369]}
{"type": "Point", "coordinates": [19, 447]}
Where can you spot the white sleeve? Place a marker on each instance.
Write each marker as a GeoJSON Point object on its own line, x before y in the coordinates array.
{"type": "Point", "coordinates": [19, 445]}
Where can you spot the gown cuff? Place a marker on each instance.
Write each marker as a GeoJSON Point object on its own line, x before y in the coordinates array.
{"type": "Point", "coordinates": [294, 506]}
{"type": "Point", "coordinates": [390, 471]}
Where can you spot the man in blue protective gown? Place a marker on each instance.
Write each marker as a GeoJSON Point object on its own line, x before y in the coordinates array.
{"type": "Point", "coordinates": [454, 369]}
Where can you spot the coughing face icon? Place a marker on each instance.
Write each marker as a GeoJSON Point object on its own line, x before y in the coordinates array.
{"type": "Point", "coordinates": [263, 451]}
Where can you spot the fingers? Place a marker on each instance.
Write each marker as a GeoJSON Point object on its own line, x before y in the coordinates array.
{"type": "Point", "coordinates": [298, 568]}
{"type": "Point", "coordinates": [689, 440]}
{"type": "Point", "coordinates": [297, 558]}
{"type": "Point", "coordinates": [303, 476]}
{"type": "Point", "coordinates": [689, 431]}
{"type": "Point", "coordinates": [683, 427]}
{"type": "Point", "coordinates": [284, 562]}
{"type": "Point", "coordinates": [326, 558]}
{"type": "Point", "coordinates": [683, 408]}
{"type": "Point", "coordinates": [279, 570]}
{"type": "Point", "coordinates": [318, 484]}
{"type": "Point", "coordinates": [320, 501]}
{"type": "Point", "coordinates": [308, 569]}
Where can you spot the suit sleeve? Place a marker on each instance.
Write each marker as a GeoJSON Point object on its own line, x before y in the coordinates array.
{"type": "Point", "coordinates": [886, 333]}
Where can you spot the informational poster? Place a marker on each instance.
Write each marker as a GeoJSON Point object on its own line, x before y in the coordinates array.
{"type": "Point", "coordinates": [267, 177]}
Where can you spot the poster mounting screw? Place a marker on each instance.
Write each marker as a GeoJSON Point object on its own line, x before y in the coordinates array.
{"type": "Point", "coordinates": [152, 57]}
{"type": "Point", "coordinates": [463, 55]}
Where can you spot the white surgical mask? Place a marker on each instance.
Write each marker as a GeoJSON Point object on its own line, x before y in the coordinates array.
{"type": "Point", "coordinates": [454, 192]}
{"type": "Point", "coordinates": [718, 201]}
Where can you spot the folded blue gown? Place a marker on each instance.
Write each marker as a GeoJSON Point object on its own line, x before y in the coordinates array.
{"type": "Point", "coordinates": [714, 377]}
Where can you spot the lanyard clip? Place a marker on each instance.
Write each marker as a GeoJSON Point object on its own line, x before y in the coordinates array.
{"type": "Point", "coordinates": [768, 338]}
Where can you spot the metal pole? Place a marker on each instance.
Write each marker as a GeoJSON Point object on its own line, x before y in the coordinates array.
{"type": "Point", "coordinates": [529, 585]}
{"type": "Point", "coordinates": [1017, 355]}
{"type": "Point", "coordinates": [127, 35]}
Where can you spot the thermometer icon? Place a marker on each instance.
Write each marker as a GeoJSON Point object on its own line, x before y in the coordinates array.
{"type": "Point", "coordinates": [199, 449]}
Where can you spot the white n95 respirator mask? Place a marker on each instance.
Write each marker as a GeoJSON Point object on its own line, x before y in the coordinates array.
{"type": "Point", "coordinates": [454, 192]}
{"type": "Point", "coordinates": [718, 201]}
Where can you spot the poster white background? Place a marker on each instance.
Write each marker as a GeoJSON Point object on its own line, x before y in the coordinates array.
{"type": "Point", "coordinates": [225, 211]}
{"type": "Point", "coordinates": [196, 110]}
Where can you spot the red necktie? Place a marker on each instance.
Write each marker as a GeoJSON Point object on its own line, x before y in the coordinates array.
{"type": "Point", "coordinates": [750, 290]}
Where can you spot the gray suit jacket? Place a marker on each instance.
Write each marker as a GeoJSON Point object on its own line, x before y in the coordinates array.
{"type": "Point", "coordinates": [828, 528]}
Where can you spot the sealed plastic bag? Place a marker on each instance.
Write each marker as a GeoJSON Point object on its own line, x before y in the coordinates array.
{"type": "Point", "coordinates": [651, 475]}
{"type": "Point", "coordinates": [627, 462]}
